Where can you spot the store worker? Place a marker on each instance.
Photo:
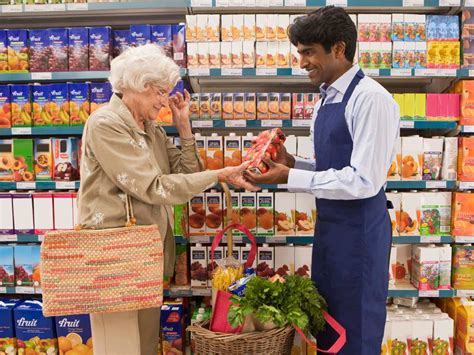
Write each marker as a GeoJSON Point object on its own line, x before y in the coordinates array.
{"type": "Point", "coordinates": [355, 126]}
{"type": "Point", "coordinates": [126, 152]}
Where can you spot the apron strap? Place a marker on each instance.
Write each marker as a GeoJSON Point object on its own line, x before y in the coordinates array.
{"type": "Point", "coordinates": [355, 81]}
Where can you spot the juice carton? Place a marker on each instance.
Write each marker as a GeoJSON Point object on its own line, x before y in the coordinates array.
{"type": "Point", "coordinates": [23, 165]}
{"type": "Point", "coordinates": [283, 56]}
{"type": "Point", "coordinates": [203, 54]}
{"type": "Point", "coordinates": [3, 51]}
{"type": "Point", "coordinates": [285, 211]}
{"type": "Point", "coordinates": [74, 333]}
{"type": "Point", "coordinates": [192, 55]}
{"type": "Point", "coordinates": [21, 105]}
{"type": "Point", "coordinates": [227, 106]}
{"type": "Point", "coordinates": [272, 54]}
{"type": "Point", "coordinates": [265, 261]}
{"type": "Point", "coordinates": [201, 144]}
{"type": "Point", "coordinates": [100, 40]}
{"type": "Point", "coordinates": [409, 106]}
{"type": "Point", "coordinates": [260, 27]}
{"type": "Point", "coordinates": [244, 254]}
{"type": "Point", "coordinates": [463, 213]}
{"type": "Point", "coordinates": [261, 49]}
{"type": "Point", "coordinates": [213, 212]}
{"type": "Point", "coordinates": [65, 157]}
{"type": "Point", "coordinates": [442, 339]}
{"type": "Point", "coordinates": [396, 200]}
{"type": "Point", "coordinates": [435, 213]}
{"type": "Point", "coordinates": [63, 211]}
{"type": "Point", "coordinates": [100, 94]}
{"type": "Point", "coordinates": [420, 107]}
{"type": "Point", "coordinates": [194, 106]}
{"type": "Point", "coordinates": [399, 334]}
{"type": "Point", "coordinates": [298, 106]}
{"type": "Point", "coordinates": [249, 27]}
{"type": "Point", "coordinates": [265, 208]}
{"type": "Point", "coordinates": [5, 107]}
{"type": "Point", "coordinates": [305, 148]}
{"type": "Point", "coordinates": [303, 257]}
{"type": "Point", "coordinates": [79, 102]}
{"type": "Point", "coordinates": [248, 203]}
{"type": "Point", "coordinates": [420, 53]}
{"type": "Point", "coordinates": [250, 106]}
{"type": "Point", "coordinates": [410, 214]}
{"type": "Point", "coordinates": [403, 265]}
{"type": "Point", "coordinates": [247, 143]}
{"type": "Point", "coordinates": [412, 157]}
{"type": "Point", "coordinates": [271, 27]}
{"type": "Point", "coordinates": [282, 26]}
{"type": "Point", "coordinates": [140, 35]}
{"type": "Point", "coordinates": [226, 54]}
{"type": "Point", "coordinates": [213, 27]}
{"type": "Point", "coordinates": [213, 260]}
{"type": "Point", "coordinates": [466, 159]}
{"type": "Point", "coordinates": [433, 156]}
{"type": "Point", "coordinates": [43, 216]}
{"type": "Point", "coordinates": [181, 266]}
{"type": "Point", "coordinates": [23, 212]}
{"type": "Point", "coordinates": [6, 209]}
{"type": "Point", "coordinates": [235, 252]}
{"type": "Point", "coordinates": [262, 106]}
{"type": "Point", "coordinates": [454, 105]}
{"type": "Point", "coordinates": [239, 106]}
{"type": "Point", "coordinates": [466, 89]}
{"type": "Point", "coordinates": [179, 44]}
{"type": "Point", "coordinates": [386, 336]}
{"type": "Point", "coordinates": [274, 105]}
{"type": "Point", "coordinates": [172, 328]}
{"type": "Point", "coordinates": [6, 159]}
{"type": "Point", "coordinates": [285, 260]}
{"type": "Point", "coordinates": [233, 150]}
{"type": "Point", "coordinates": [58, 107]}
{"type": "Point", "coordinates": [400, 100]}
{"type": "Point", "coordinates": [41, 103]}
{"type": "Point", "coordinates": [215, 152]}
{"type": "Point", "coordinates": [199, 259]}
{"type": "Point", "coordinates": [237, 28]}
{"type": "Point", "coordinates": [464, 332]}
{"type": "Point", "coordinates": [39, 50]}
{"type": "Point", "coordinates": [79, 48]}
{"type": "Point", "coordinates": [310, 101]}
{"type": "Point", "coordinates": [395, 165]}
{"type": "Point", "coordinates": [216, 106]}
{"type": "Point", "coordinates": [214, 54]}
{"type": "Point", "coordinates": [162, 36]}
{"type": "Point", "coordinates": [422, 330]}
{"type": "Point", "coordinates": [420, 27]}
{"type": "Point", "coordinates": [285, 106]}
{"type": "Point", "coordinates": [392, 267]}
{"type": "Point", "coordinates": [445, 256]}
{"type": "Point", "coordinates": [425, 268]}
{"type": "Point", "coordinates": [197, 215]}
{"type": "Point", "coordinates": [364, 54]}
{"type": "Point", "coordinates": [17, 44]}
{"type": "Point", "coordinates": [7, 266]}
{"type": "Point", "coordinates": [26, 264]}
{"type": "Point", "coordinates": [201, 25]}
{"type": "Point", "coordinates": [58, 44]}
{"type": "Point", "coordinates": [305, 214]}
{"type": "Point", "coordinates": [8, 342]}
{"type": "Point", "coordinates": [433, 109]}
{"type": "Point", "coordinates": [181, 226]}
{"type": "Point", "coordinates": [463, 275]}
{"type": "Point", "coordinates": [121, 42]}
{"type": "Point", "coordinates": [33, 330]}
{"type": "Point", "coordinates": [235, 206]}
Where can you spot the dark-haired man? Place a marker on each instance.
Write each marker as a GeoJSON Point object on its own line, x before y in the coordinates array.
{"type": "Point", "coordinates": [354, 129]}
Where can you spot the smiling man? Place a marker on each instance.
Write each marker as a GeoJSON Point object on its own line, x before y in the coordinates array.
{"type": "Point", "coordinates": [354, 129]}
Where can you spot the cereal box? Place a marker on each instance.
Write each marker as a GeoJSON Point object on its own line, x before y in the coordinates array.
{"type": "Point", "coordinates": [8, 342]}
{"type": "Point", "coordinates": [140, 35]}
{"type": "Point", "coordinates": [23, 164]}
{"type": "Point", "coordinates": [7, 266]}
{"type": "Point", "coordinates": [58, 44]}
{"type": "Point", "coordinates": [21, 105]}
{"type": "Point", "coordinates": [100, 94]}
{"type": "Point", "coordinates": [3, 51]}
{"type": "Point", "coordinates": [172, 328]}
{"type": "Point", "coordinates": [41, 99]}
{"type": "Point", "coordinates": [5, 107]}
{"type": "Point", "coordinates": [74, 333]}
{"type": "Point", "coordinates": [65, 157]}
{"type": "Point", "coordinates": [79, 102]}
{"type": "Point", "coordinates": [463, 214]}
{"type": "Point", "coordinates": [17, 42]}
{"type": "Point", "coordinates": [58, 107]}
{"type": "Point", "coordinates": [162, 36]}
{"type": "Point", "coordinates": [410, 214]}
{"type": "Point", "coordinates": [100, 40]}
{"type": "Point", "coordinates": [39, 50]}
{"type": "Point", "coordinates": [79, 48]}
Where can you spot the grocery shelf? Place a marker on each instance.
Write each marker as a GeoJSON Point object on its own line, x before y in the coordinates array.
{"type": "Point", "coordinates": [463, 239]}
{"type": "Point", "coordinates": [404, 124]}
{"type": "Point", "coordinates": [39, 185]}
{"type": "Point", "coordinates": [412, 292]}
{"type": "Point", "coordinates": [420, 184]}
{"type": "Point", "coordinates": [21, 238]}
{"type": "Point", "coordinates": [42, 131]}
{"type": "Point", "coordinates": [299, 240]}
{"type": "Point", "coordinates": [20, 290]}
{"type": "Point", "coordinates": [422, 239]}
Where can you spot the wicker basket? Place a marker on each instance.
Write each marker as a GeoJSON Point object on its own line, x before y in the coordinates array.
{"type": "Point", "coordinates": [277, 341]}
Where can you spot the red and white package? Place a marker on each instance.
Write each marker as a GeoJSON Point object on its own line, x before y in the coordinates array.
{"type": "Point", "coordinates": [266, 145]}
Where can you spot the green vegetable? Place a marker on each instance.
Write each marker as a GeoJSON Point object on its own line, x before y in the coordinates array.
{"type": "Point", "coordinates": [295, 301]}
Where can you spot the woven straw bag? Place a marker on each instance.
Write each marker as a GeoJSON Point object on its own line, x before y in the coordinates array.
{"type": "Point", "coordinates": [102, 271]}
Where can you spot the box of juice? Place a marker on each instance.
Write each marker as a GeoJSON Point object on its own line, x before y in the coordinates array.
{"type": "Point", "coordinates": [466, 159]}
{"type": "Point", "coordinates": [179, 44]}
{"type": "Point", "coordinates": [450, 158]}
{"type": "Point", "coordinates": [8, 342]}
{"type": "Point", "coordinates": [41, 99]}
{"type": "Point", "coordinates": [226, 55]}
{"type": "Point", "coordinates": [181, 225]}
{"type": "Point", "coordinates": [58, 46]}
{"type": "Point", "coordinates": [58, 107]}
{"type": "Point", "coordinates": [201, 26]}
{"type": "Point", "coordinates": [400, 332]}
{"type": "Point", "coordinates": [121, 42]}
{"type": "Point", "coordinates": [213, 212]}
{"type": "Point", "coordinates": [205, 106]}
{"type": "Point", "coordinates": [463, 213]}
{"type": "Point", "coordinates": [197, 215]}
{"type": "Point", "coordinates": [244, 254]}
{"type": "Point", "coordinates": [192, 57]}
{"type": "Point", "coordinates": [215, 152]}
{"type": "Point", "coordinates": [63, 211]}
{"type": "Point", "coordinates": [213, 27]}
{"type": "Point", "coordinates": [298, 106]}
{"type": "Point", "coordinates": [235, 206]}
{"type": "Point", "coordinates": [262, 106]}
{"type": "Point", "coordinates": [3, 51]}
{"type": "Point", "coordinates": [305, 216]}
{"type": "Point", "coordinates": [422, 330]}
{"type": "Point", "coordinates": [464, 332]}
{"type": "Point", "coordinates": [310, 101]}
{"type": "Point", "coordinates": [409, 218]}
{"type": "Point", "coordinates": [237, 54]}
{"type": "Point", "coordinates": [445, 257]}
{"type": "Point", "coordinates": [272, 55]}
{"type": "Point", "coordinates": [21, 105]}
{"type": "Point", "coordinates": [290, 144]}
{"type": "Point", "coordinates": [194, 106]}
{"type": "Point", "coordinates": [172, 328]}
{"type": "Point", "coordinates": [261, 49]}
{"type": "Point", "coordinates": [396, 200]}
{"type": "Point", "coordinates": [5, 107]}
{"type": "Point", "coordinates": [303, 257]}
{"type": "Point", "coordinates": [6, 159]}
{"type": "Point", "coordinates": [23, 165]}
{"type": "Point", "coordinates": [239, 106]}
{"type": "Point", "coordinates": [33, 330]}
{"type": "Point", "coordinates": [274, 105]}
{"type": "Point", "coordinates": [395, 165]}
{"type": "Point", "coordinates": [285, 106]}
{"type": "Point", "coordinates": [233, 150]}
{"type": "Point", "coordinates": [100, 41]}
{"type": "Point", "coordinates": [463, 266]}
{"type": "Point", "coordinates": [265, 210]}
{"type": "Point", "coordinates": [420, 107]}
{"type": "Point", "coordinates": [17, 43]}
{"type": "Point", "coordinates": [213, 260]}
{"type": "Point", "coordinates": [201, 144]}
{"type": "Point", "coordinates": [249, 27]}
{"type": "Point", "coordinates": [7, 266]}
{"type": "Point", "coordinates": [237, 28]}
{"type": "Point", "coordinates": [403, 266]}
{"type": "Point", "coordinates": [23, 212]}
{"type": "Point", "coordinates": [78, 48]}
{"type": "Point", "coordinates": [265, 261]}
{"type": "Point", "coordinates": [39, 50]}
{"type": "Point", "coordinates": [100, 94]}
{"type": "Point", "coordinates": [248, 54]}
{"type": "Point", "coordinates": [442, 338]}
{"type": "Point", "coordinates": [250, 106]}
{"type": "Point", "coordinates": [44, 215]}
{"type": "Point", "coordinates": [214, 54]}
{"type": "Point", "coordinates": [305, 148]}
{"type": "Point", "coordinates": [199, 261]}
{"type": "Point", "coordinates": [285, 260]}
{"type": "Point", "coordinates": [227, 106]}
{"type": "Point", "coordinates": [6, 209]}
{"type": "Point", "coordinates": [203, 54]}
{"type": "Point", "coordinates": [79, 102]}
{"type": "Point", "coordinates": [248, 203]}
{"type": "Point", "coordinates": [181, 266]}
{"type": "Point", "coordinates": [285, 211]}
{"type": "Point", "coordinates": [66, 159]}
{"type": "Point", "coordinates": [26, 264]}
{"type": "Point", "coordinates": [74, 333]}
{"type": "Point", "coordinates": [425, 268]}
{"type": "Point", "coordinates": [216, 106]}
{"type": "Point", "coordinates": [163, 37]}
{"type": "Point", "coordinates": [466, 89]}
{"type": "Point", "coordinates": [412, 158]}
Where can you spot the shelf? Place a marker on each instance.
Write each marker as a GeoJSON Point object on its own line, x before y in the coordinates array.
{"type": "Point", "coordinates": [428, 124]}
{"type": "Point", "coordinates": [21, 238]}
{"type": "Point", "coordinates": [420, 185]}
{"type": "Point", "coordinates": [260, 240]}
{"type": "Point", "coordinates": [422, 239]}
{"type": "Point", "coordinates": [412, 292]}
{"type": "Point", "coordinates": [464, 239]}
{"type": "Point", "coordinates": [43, 131]}
{"type": "Point", "coordinates": [40, 185]}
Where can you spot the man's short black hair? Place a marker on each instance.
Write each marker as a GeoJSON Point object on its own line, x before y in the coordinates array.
{"type": "Point", "coordinates": [325, 26]}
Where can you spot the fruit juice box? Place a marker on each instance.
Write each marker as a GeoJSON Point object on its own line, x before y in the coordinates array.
{"type": "Point", "coordinates": [58, 44]}
{"type": "Point", "coordinates": [445, 257]}
{"type": "Point", "coordinates": [63, 211]}
{"type": "Point", "coordinates": [262, 106]}
{"type": "Point", "coordinates": [23, 212]}
{"type": "Point", "coordinates": [247, 143]}
{"type": "Point", "coordinates": [436, 213]}
{"type": "Point", "coordinates": [179, 44]}
{"type": "Point", "coordinates": [442, 339]}
{"type": "Point", "coordinates": [298, 106]}
{"type": "Point", "coordinates": [454, 111]}
{"type": "Point", "coordinates": [364, 26]}
{"type": "Point", "coordinates": [250, 106]}
{"type": "Point", "coordinates": [197, 215]}
{"type": "Point", "coordinates": [249, 27]}
{"type": "Point", "coordinates": [201, 144]}
{"type": "Point", "coordinates": [204, 106]}
{"type": "Point", "coordinates": [285, 260]}
{"type": "Point", "coordinates": [214, 54]}
{"type": "Point", "coordinates": [140, 35]}
{"type": "Point", "coordinates": [433, 109]}
{"type": "Point", "coordinates": [244, 254]}
{"type": "Point", "coordinates": [100, 94]}
{"type": "Point", "coordinates": [364, 54]}
{"type": "Point", "coordinates": [283, 56]}
{"type": "Point", "coordinates": [41, 99]}
{"type": "Point", "coordinates": [192, 57]}
{"type": "Point", "coordinates": [215, 152]}
{"type": "Point", "coordinates": [271, 27]}
{"type": "Point", "coordinates": [392, 266]}
{"type": "Point", "coordinates": [3, 51]}
{"type": "Point", "coordinates": [239, 105]}
{"type": "Point", "coordinates": [260, 27]}
{"type": "Point", "coordinates": [79, 102]}
{"type": "Point", "coordinates": [403, 265]}
{"type": "Point", "coordinates": [248, 203]}
{"type": "Point", "coordinates": [213, 28]}
{"type": "Point", "coordinates": [463, 274]}
{"type": "Point", "coordinates": [6, 209]}
{"type": "Point", "coordinates": [400, 100]}
{"type": "Point", "coordinates": [199, 259]}
{"type": "Point", "coordinates": [227, 106]}
{"type": "Point", "coordinates": [237, 54]}
{"type": "Point", "coordinates": [420, 54]}
{"type": "Point", "coordinates": [248, 54]}
{"type": "Point", "coordinates": [23, 164]}
{"type": "Point", "coordinates": [65, 158]}
{"type": "Point", "coordinates": [181, 266]}
{"type": "Point", "coordinates": [463, 213]}
{"type": "Point", "coordinates": [274, 105]}
{"type": "Point", "coordinates": [412, 158]}
{"type": "Point", "coordinates": [194, 106]}
{"type": "Point", "coordinates": [265, 210]}
{"type": "Point", "coordinates": [181, 226]}
{"type": "Point", "coordinates": [100, 40]}
{"type": "Point", "coordinates": [226, 54]}
{"type": "Point", "coordinates": [5, 107]}
{"type": "Point", "coordinates": [200, 23]}
{"type": "Point", "coordinates": [213, 212]}
{"type": "Point", "coordinates": [409, 217]}
{"type": "Point", "coordinates": [299, 346]}
{"type": "Point", "coordinates": [7, 266]}
{"type": "Point", "coordinates": [433, 156]}
{"type": "Point", "coordinates": [162, 36]}
{"type": "Point", "coordinates": [396, 200]}
{"type": "Point", "coordinates": [78, 48]}
{"type": "Point", "coordinates": [466, 159]}
{"type": "Point", "coordinates": [121, 41]}
{"type": "Point", "coordinates": [305, 214]}
{"type": "Point", "coordinates": [172, 328]}
{"type": "Point", "coordinates": [237, 28]}
{"type": "Point", "coordinates": [235, 252]}
{"type": "Point", "coordinates": [261, 49]}
{"type": "Point", "coordinates": [8, 341]}
{"type": "Point", "coordinates": [33, 330]}
{"type": "Point", "coordinates": [43, 216]}
{"type": "Point", "coordinates": [26, 260]}
{"type": "Point", "coordinates": [310, 101]}
{"type": "Point", "coordinates": [399, 334]}
{"type": "Point", "coordinates": [395, 165]}
{"type": "Point", "coordinates": [17, 44]}
{"type": "Point", "coordinates": [74, 333]}
{"type": "Point", "coordinates": [303, 257]}
{"type": "Point", "coordinates": [450, 157]}
{"type": "Point", "coordinates": [466, 89]}
{"type": "Point", "coordinates": [235, 206]}
{"type": "Point", "coordinates": [39, 50]}
{"type": "Point", "coordinates": [464, 332]}
{"type": "Point", "coordinates": [420, 107]}
{"type": "Point", "coordinates": [58, 108]}
{"type": "Point", "coordinates": [272, 54]}
{"type": "Point", "coordinates": [21, 105]}
{"type": "Point", "coordinates": [216, 106]}
{"type": "Point", "coordinates": [213, 260]}
{"type": "Point", "coordinates": [203, 54]}
{"type": "Point", "coordinates": [285, 211]}
{"type": "Point", "coordinates": [285, 106]}
{"type": "Point", "coordinates": [233, 150]}
{"type": "Point", "coordinates": [425, 268]}
{"type": "Point", "coordinates": [409, 101]}
{"type": "Point", "coordinates": [265, 261]}
{"type": "Point", "coordinates": [422, 330]}
{"type": "Point", "coordinates": [398, 27]}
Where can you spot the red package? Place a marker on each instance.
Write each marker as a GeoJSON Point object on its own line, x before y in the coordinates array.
{"type": "Point", "coordinates": [266, 145]}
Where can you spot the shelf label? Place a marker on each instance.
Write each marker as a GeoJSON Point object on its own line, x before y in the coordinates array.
{"type": "Point", "coordinates": [450, 3]}
{"type": "Point", "coordinates": [464, 293]}
{"type": "Point", "coordinates": [202, 124]}
{"type": "Point", "coordinates": [249, 3]}
{"type": "Point", "coordinates": [64, 185]}
{"type": "Point", "coordinates": [426, 72]}
{"type": "Point", "coordinates": [372, 72]}
{"type": "Point", "coordinates": [37, 8]}
{"type": "Point", "coordinates": [41, 238]}
{"type": "Point", "coordinates": [407, 124]}
{"type": "Point", "coordinates": [463, 239]}
{"type": "Point", "coordinates": [276, 240]}
{"type": "Point", "coordinates": [231, 72]}
{"type": "Point", "coordinates": [8, 238]}
{"type": "Point", "coordinates": [9, 9]}
{"type": "Point", "coordinates": [420, 3]}
{"type": "Point", "coordinates": [301, 123]}
{"type": "Point", "coordinates": [57, 7]}
{"type": "Point", "coordinates": [41, 76]}
{"type": "Point", "coordinates": [275, 3]}
{"type": "Point", "coordinates": [400, 72]}
{"type": "Point", "coordinates": [468, 129]}
{"type": "Point", "coordinates": [26, 185]}
{"type": "Point", "coordinates": [200, 239]}
{"type": "Point", "coordinates": [201, 292]}
{"type": "Point", "coordinates": [295, 2]}
{"type": "Point", "coordinates": [199, 72]}
{"type": "Point", "coordinates": [266, 71]}
{"type": "Point", "coordinates": [340, 3]}
{"type": "Point", "coordinates": [272, 123]}
{"type": "Point", "coordinates": [38, 291]}
{"type": "Point", "coordinates": [235, 123]}
{"type": "Point", "coordinates": [447, 72]}
{"type": "Point", "coordinates": [436, 184]}
{"type": "Point", "coordinates": [236, 239]}
{"type": "Point", "coordinates": [298, 72]}
{"type": "Point", "coordinates": [222, 3]}
{"type": "Point", "coordinates": [78, 7]}
{"type": "Point", "coordinates": [3, 290]}
{"type": "Point", "coordinates": [430, 239]}
{"type": "Point", "coordinates": [430, 293]}
{"type": "Point", "coordinates": [282, 186]}
{"type": "Point", "coordinates": [25, 290]}
{"type": "Point", "coordinates": [21, 131]}
{"type": "Point", "coordinates": [201, 3]}
{"type": "Point", "coordinates": [466, 185]}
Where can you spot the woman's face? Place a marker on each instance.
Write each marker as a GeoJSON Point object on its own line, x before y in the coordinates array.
{"type": "Point", "coordinates": [152, 100]}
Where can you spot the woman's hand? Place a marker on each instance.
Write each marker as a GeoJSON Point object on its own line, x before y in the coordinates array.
{"type": "Point", "coordinates": [234, 176]}
{"type": "Point", "coordinates": [179, 106]}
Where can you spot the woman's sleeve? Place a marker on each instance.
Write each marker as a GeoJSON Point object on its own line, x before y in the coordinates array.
{"type": "Point", "coordinates": [185, 160]}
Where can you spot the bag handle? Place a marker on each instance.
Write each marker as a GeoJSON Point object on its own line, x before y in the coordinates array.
{"type": "Point", "coordinates": [338, 328]}
{"type": "Point", "coordinates": [243, 229]}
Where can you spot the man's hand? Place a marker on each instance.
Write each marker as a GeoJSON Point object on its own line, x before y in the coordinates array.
{"type": "Point", "coordinates": [276, 174]}
{"type": "Point", "coordinates": [281, 156]}
{"type": "Point", "coordinates": [234, 176]}
{"type": "Point", "coordinates": [179, 106]}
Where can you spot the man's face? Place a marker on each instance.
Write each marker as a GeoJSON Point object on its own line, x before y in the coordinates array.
{"type": "Point", "coordinates": [319, 64]}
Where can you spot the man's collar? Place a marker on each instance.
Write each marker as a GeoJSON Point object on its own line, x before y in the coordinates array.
{"type": "Point", "coordinates": [342, 83]}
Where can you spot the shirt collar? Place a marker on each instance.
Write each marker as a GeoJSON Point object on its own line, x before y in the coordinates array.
{"type": "Point", "coordinates": [342, 83]}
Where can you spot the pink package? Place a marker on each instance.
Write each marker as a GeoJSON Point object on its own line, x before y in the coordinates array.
{"type": "Point", "coordinates": [432, 106]}
{"type": "Point", "coordinates": [454, 106]}
{"type": "Point", "coordinates": [444, 106]}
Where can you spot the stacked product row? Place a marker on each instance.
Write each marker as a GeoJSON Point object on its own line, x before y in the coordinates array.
{"type": "Point", "coordinates": [20, 265]}
{"type": "Point", "coordinates": [431, 107]}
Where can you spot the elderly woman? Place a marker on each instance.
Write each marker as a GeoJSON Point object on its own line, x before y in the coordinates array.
{"type": "Point", "coordinates": [126, 153]}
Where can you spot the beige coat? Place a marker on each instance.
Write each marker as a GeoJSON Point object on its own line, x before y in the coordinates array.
{"type": "Point", "coordinates": [119, 158]}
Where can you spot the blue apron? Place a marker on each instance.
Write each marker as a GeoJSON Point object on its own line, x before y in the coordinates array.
{"type": "Point", "coordinates": [352, 243]}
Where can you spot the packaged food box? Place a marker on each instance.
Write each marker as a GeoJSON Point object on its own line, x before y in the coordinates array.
{"type": "Point", "coordinates": [39, 50]}
{"type": "Point", "coordinates": [285, 260]}
{"type": "Point", "coordinates": [237, 28]}
{"type": "Point", "coordinates": [140, 35]}
{"type": "Point", "coordinates": [203, 54]}
{"type": "Point", "coordinates": [261, 50]}
{"type": "Point", "coordinates": [403, 266]}
{"type": "Point", "coordinates": [250, 106]}
{"type": "Point", "coordinates": [450, 157]}
{"type": "Point", "coordinates": [274, 105]}
{"type": "Point", "coordinates": [79, 102]}
{"type": "Point", "coordinates": [410, 215]}
{"type": "Point", "coordinates": [194, 106]}
{"type": "Point", "coordinates": [298, 106]}
{"type": "Point", "coordinates": [74, 333]}
{"type": "Point", "coordinates": [249, 27]}
{"type": "Point", "coordinates": [303, 257]}
{"type": "Point", "coordinates": [433, 156]}
{"type": "Point", "coordinates": [272, 55]}
{"type": "Point", "coordinates": [396, 200]}
{"type": "Point", "coordinates": [247, 143]}
{"type": "Point", "coordinates": [199, 259]}
{"type": "Point", "coordinates": [181, 266]}
{"type": "Point", "coordinates": [23, 164]}
{"type": "Point", "coordinates": [172, 328]}
{"type": "Point", "coordinates": [265, 211]}
{"type": "Point", "coordinates": [248, 211]}
{"type": "Point", "coordinates": [40, 107]}
{"type": "Point", "coordinates": [58, 107]}
{"type": "Point", "coordinates": [17, 43]}
{"type": "Point", "coordinates": [463, 213]}
{"type": "Point", "coordinates": [100, 94]}
{"type": "Point", "coordinates": [7, 268]}
{"type": "Point", "coordinates": [425, 268]}
{"type": "Point", "coordinates": [267, 145]}
{"type": "Point", "coordinates": [78, 48]}
{"type": "Point", "coordinates": [44, 215]}
{"type": "Point", "coordinates": [285, 211]}
{"type": "Point", "coordinates": [65, 158]}
{"type": "Point", "coordinates": [443, 55]}
{"type": "Point", "coordinates": [216, 106]}
{"type": "Point", "coordinates": [121, 41]}
{"type": "Point", "coordinates": [445, 258]}
{"type": "Point", "coordinates": [191, 24]}
{"type": "Point", "coordinates": [197, 215]}
{"type": "Point", "coordinates": [213, 262]}
{"type": "Point", "coordinates": [305, 217]}
{"type": "Point", "coordinates": [464, 333]}
{"type": "Point", "coordinates": [3, 51]}
{"type": "Point", "coordinates": [214, 54]}
{"type": "Point", "coordinates": [435, 213]}
{"type": "Point", "coordinates": [310, 101]}
{"type": "Point", "coordinates": [239, 107]}
{"type": "Point", "coordinates": [226, 54]}
{"type": "Point", "coordinates": [412, 158]}
{"type": "Point", "coordinates": [213, 27]}
{"type": "Point", "coordinates": [466, 89]}
{"type": "Point", "coordinates": [265, 261]}
{"type": "Point", "coordinates": [201, 22]}
{"type": "Point", "coordinates": [6, 209]}
{"type": "Point", "coordinates": [422, 330]}
{"type": "Point", "coordinates": [466, 159]}
{"type": "Point", "coordinates": [244, 254]}
{"type": "Point", "coordinates": [27, 259]}
{"type": "Point", "coordinates": [285, 106]}
{"type": "Point", "coordinates": [463, 267]}
{"type": "Point", "coordinates": [21, 105]}
{"type": "Point", "coordinates": [421, 55]}
{"type": "Point", "coordinates": [33, 330]}
{"type": "Point", "coordinates": [442, 338]}
{"type": "Point", "coordinates": [233, 150]}
{"type": "Point", "coordinates": [5, 107]}
{"type": "Point", "coordinates": [213, 212]}
{"type": "Point", "coordinates": [100, 40]}
{"type": "Point", "coordinates": [179, 44]}
{"type": "Point", "coordinates": [215, 152]}
{"type": "Point", "coordinates": [58, 44]}
{"type": "Point", "coordinates": [63, 211]}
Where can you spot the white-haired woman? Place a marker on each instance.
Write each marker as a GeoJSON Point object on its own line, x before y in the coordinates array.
{"type": "Point", "coordinates": [126, 153]}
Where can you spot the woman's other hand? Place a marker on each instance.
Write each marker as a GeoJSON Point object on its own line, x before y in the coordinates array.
{"type": "Point", "coordinates": [234, 176]}
{"type": "Point", "coordinates": [179, 106]}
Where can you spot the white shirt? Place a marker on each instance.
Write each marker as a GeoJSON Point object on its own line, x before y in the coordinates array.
{"type": "Point", "coordinates": [373, 119]}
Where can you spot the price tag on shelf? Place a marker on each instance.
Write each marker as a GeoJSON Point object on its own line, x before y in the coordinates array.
{"type": "Point", "coordinates": [301, 123]}
{"type": "Point", "coordinates": [57, 7]}
{"type": "Point", "coordinates": [407, 124]}
{"type": "Point", "coordinates": [235, 123]}
{"type": "Point", "coordinates": [200, 239]}
{"type": "Point", "coordinates": [201, 3]}
{"type": "Point", "coordinates": [450, 3]}
{"type": "Point", "coordinates": [65, 185]}
{"type": "Point", "coordinates": [25, 290]}
{"type": "Point", "coordinates": [426, 72]}
{"type": "Point", "coordinates": [201, 292]}
{"type": "Point", "coordinates": [400, 72]}
{"type": "Point", "coordinates": [266, 71]}
{"type": "Point", "coordinates": [199, 72]}
{"type": "Point", "coordinates": [468, 129]}
{"type": "Point", "coordinates": [249, 3]}
{"type": "Point", "coordinates": [78, 7]}
{"type": "Point", "coordinates": [372, 72]}
{"type": "Point", "coordinates": [340, 3]}
{"type": "Point", "coordinates": [235, 239]}
{"type": "Point", "coordinates": [276, 3]}
{"type": "Point", "coordinates": [298, 72]}
{"type": "Point", "coordinates": [40, 238]}
{"type": "Point", "coordinates": [446, 72]}
{"type": "Point", "coordinates": [38, 290]}
{"type": "Point", "coordinates": [222, 3]}
{"type": "Point", "coordinates": [407, 3]}
{"type": "Point", "coordinates": [21, 131]}
{"type": "Point", "coordinates": [41, 76]}
{"type": "Point", "coordinates": [464, 293]}
{"type": "Point", "coordinates": [26, 185]}
{"type": "Point", "coordinates": [429, 293]}
{"type": "Point", "coordinates": [436, 184]}
{"type": "Point", "coordinates": [463, 239]}
{"type": "Point", "coordinates": [282, 186]}
{"type": "Point", "coordinates": [202, 124]}
{"type": "Point", "coordinates": [466, 185]}
{"type": "Point", "coordinates": [295, 2]}
{"type": "Point", "coordinates": [3, 290]}
{"type": "Point", "coordinates": [8, 238]}
{"type": "Point", "coordinates": [271, 123]}
{"type": "Point", "coordinates": [276, 240]}
{"type": "Point", "coordinates": [9, 9]}
{"type": "Point", "coordinates": [37, 8]}
{"type": "Point", "coordinates": [430, 239]}
{"type": "Point", "coordinates": [231, 72]}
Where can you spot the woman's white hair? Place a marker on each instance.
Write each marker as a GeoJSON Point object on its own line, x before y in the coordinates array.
{"type": "Point", "coordinates": [138, 67]}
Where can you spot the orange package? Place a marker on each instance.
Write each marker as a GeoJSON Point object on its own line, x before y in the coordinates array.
{"type": "Point", "coordinates": [463, 214]}
{"type": "Point", "coordinates": [466, 159]}
{"type": "Point", "coordinates": [466, 89]}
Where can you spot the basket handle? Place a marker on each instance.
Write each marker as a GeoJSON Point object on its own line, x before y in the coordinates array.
{"type": "Point", "coordinates": [338, 328]}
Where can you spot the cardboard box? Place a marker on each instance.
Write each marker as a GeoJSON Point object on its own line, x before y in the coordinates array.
{"type": "Point", "coordinates": [213, 28]}
{"type": "Point", "coordinates": [403, 266]}
{"type": "Point", "coordinates": [237, 54]}
{"type": "Point", "coordinates": [421, 55]}
{"type": "Point", "coordinates": [250, 106]}
{"type": "Point", "coordinates": [21, 105]}
{"type": "Point", "coordinates": [121, 41]}
{"type": "Point", "coordinates": [226, 28]}
{"type": "Point", "coordinates": [262, 106]}
{"type": "Point", "coordinates": [237, 29]}
{"type": "Point", "coordinates": [192, 55]}
{"type": "Point", "coordinates": [445, 262]}
{"type": "Point", "coordinates": [100, 40]}
{"type": "Point", "coordinates": [295, 57]}
{"type": "Point", "coordinates": [412, 157]}
{"type": "Point", "coordinates": [7, 268]}
{"type": "Point", "coordinates": [181, 225]}
{"type": "Point", "coordinates": [7, 326]}
{"type": "Point", "coordinates": [303, 257]}
{"type": "Point", "coordinates": [18, 59]}
{"type": "Point", "coordinates": [233, 150]}
{"type": "Point", "coordinates": [248, 54]}
{"type": "Point", "coordinates": [265, 261]}
{"type": "Point", "coordinates": [199, 270]}
{"type": "Point", "coordinates": [227, 106]}
{"type": "Point", "coordinates": [58, 108]}
{"type": "Point", "coordinates": [305, 214]}
{"type": "Point", "coordinates": [410, 216]}
{"type": "Point", "coordinates": [305, 148]}
{"type": "Point", "coordinates": [425, 268]}
{"type": "Point", "coordinates": [39, 50]}
{"type": "Point", "coordinates": [285, 213]}
{"type": "Point", "coordinates": [272, 55]}
{"type": "Point", "coordinates": [463, 267]}
{"type": "Point", "coordinates": [285, 260]}
{"type": "Point", "coordinates": [65, 157]}
{"type": "Point", "coordinates": [172, 328]}
{"type": "Point", "coordinates": [450, 156]}
{"type": "Point", "coordinates": [79, 102]}
{"type": "Point", "coordinates": [432, 158]}
{"type": "Point", "coordinates": [6, 214]}
{"type": "Point", "coordinates": [194, 105]}
{"type": "Point", "coordinates": [283, 23]}
{"type": "Point", "coordinates": [443, 334]}
{"type": "Point", "coordinates": [260, 27]}
{"type": "Point", "coordinates": [201, 27]}
{"type": "Point", "coordinates": [5, 107]}
{"type": "Point", "coordinates": [201, 144]}
{"type": "Point", "coordinates": [140, 35]}
{"type": "Point", "coordinates": [249, 27]}
{"type": "Point", "coordinates": [274, 105]}
{"type": "Point", "coordinates": [41, 99]}
{"type": "Point", "coordinates": [43, 212]}
{"type": "Point", "coordinates": [310, 101]}
{"type": "Point", "coordinates": [216, 106]}
{"type": "Point", "coordinates": [248, 203]}
{"type": "Point", "coordinates": [213, 262]}
{"type": "Point", "coordinates": [261, 51]}
{"type": "Point", "coordinates": [23, 164]}
{"type": "Point", "coordinates": [463, 214]}
{"type": "Point", "coordinates": [214, 215]}
{"type": "Point", "coordinates": [74, 333]}
{"type": "Point", "coordinates": [226, 54]}
{"type": "Point", "coordinates": [203, 54]}
{"type": "Point", "coordinates": [27, 258]}
{"type": "Point", "coordinates": [271, 27]}
{"type": "Point", "coordinates": [465, 161]}
{"type": "Point", "coordinates": [58, 43]}
{"type": "Point", "coordinates": [215, 152]}
{"type": "Point", "coordinates": [283, 55]}
{"type": "Point", "coordinates": [23, 213]}
{"type": "Point", "coordinates": [197, 215]}
{"type": "Point", "coordinates": [63, 211]}
{"type": "Point", "coordinates": [163, 37]}
{"type": "Point", "coordinates": [214, 54]}
{"type": "Point", "coordinates": [298, 106]}
{"type": "Point", "coordinates": [100, 94]}
{"type": "Point", "coordinates": [235, 201]}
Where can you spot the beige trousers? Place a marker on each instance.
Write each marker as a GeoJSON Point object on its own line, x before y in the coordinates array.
{"type": "Point", "coordinates": [126, 333]}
